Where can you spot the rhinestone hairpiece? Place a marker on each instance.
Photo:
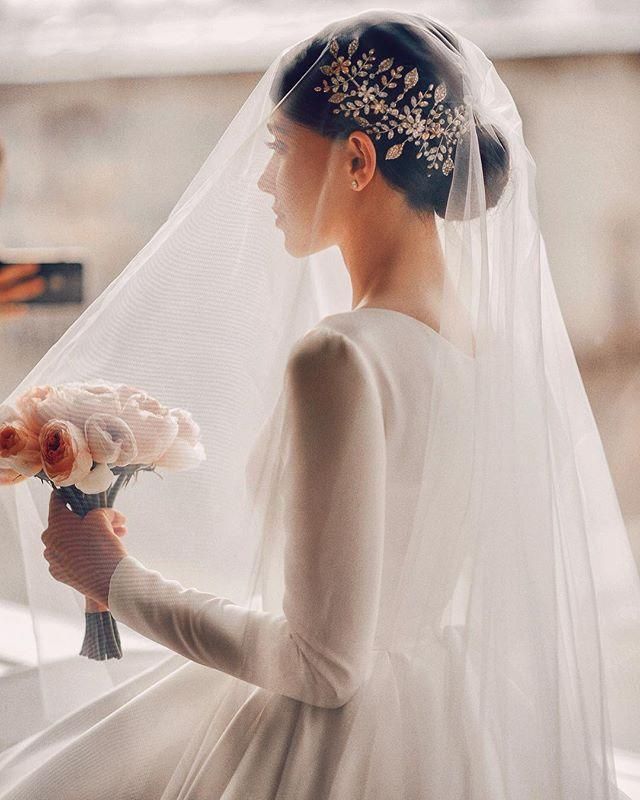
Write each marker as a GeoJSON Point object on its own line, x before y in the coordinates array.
{"type": "Point", "coordinates": [361, 92]}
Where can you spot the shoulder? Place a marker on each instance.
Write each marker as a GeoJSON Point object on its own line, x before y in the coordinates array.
{"type": "Point", "coordinates": [328, 362]}
{"type": "Point", "coordinates": [325, 348]}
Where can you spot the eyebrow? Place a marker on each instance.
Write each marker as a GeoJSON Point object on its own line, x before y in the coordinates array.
{"type": "Point", "coordinates": [276, 127]}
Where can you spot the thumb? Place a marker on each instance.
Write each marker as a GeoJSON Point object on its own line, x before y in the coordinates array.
{"type": "Point", "coordinates": [55, 500]}
{"type": "Point", "coordinates": [114, 516]}
{"type": "Point", "coordinates": [106, 513]}
{"type": "Point", "coordinates": [57, 504]}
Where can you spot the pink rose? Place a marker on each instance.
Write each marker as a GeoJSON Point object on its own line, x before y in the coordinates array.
{"type": "Point", "coordinates": [65, 454]}
{"type": "Point", "coordinates": [73, 402]}
{"type": "Point", "coordinates": [188, 428]}
{"type": "Point", "coordinates": [38, 405]}
{"type": "Point", "coordinates": [125, 391]}
{"type": "Point", "coordinates": [84, 399]}
{"type": "Point", "coordinates": [186, 451]}
{"type": "Point", "coordinates": [110, 440]}
{"type": "Point", "coordinates": [154, 428]}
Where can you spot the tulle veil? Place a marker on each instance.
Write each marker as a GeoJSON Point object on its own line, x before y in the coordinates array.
{"type": "Point", "coordinates": [531, 584]}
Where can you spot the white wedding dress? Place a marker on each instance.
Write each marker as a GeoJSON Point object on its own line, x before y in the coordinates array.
{"type": "Point", "coordinates": [316, 714]}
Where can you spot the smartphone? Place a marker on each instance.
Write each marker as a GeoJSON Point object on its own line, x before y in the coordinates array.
{"type": "Point", "coordinates": [61, 271]}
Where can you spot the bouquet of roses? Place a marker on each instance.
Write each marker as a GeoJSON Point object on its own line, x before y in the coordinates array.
{"type": "Point", "coordinates": [88, 440]}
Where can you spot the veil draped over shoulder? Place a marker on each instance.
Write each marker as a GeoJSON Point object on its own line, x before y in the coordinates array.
{"type": "Point", "coordinates": [514, 565]}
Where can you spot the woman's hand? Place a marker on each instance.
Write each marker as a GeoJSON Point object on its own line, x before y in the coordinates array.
{"type": "Point", "coordinates": [84, 551]}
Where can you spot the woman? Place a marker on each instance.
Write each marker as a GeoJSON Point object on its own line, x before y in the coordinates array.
{"type": "Point", "coordinates": [427, 530]}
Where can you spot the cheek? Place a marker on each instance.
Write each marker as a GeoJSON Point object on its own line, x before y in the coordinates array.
{"type": "Point", "coordinates": [303, 190]}
{"type": "Point", "coordinates": [289, 181]}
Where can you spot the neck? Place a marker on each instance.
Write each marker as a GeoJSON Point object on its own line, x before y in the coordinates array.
{"type": "Point", "coordinates": [394, 259]}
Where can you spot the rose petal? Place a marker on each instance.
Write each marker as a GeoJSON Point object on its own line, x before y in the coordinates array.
{"type": "Point", "coordinates": [110, 440]}
{"type": "Point", "coordinates": [181, 455]}
{"type": "Point", "coordinates": [65, 454]}
{"type": "Point", "coordinates": [98, 480]}
{"type": "Point", "coordinates": [10, 476]}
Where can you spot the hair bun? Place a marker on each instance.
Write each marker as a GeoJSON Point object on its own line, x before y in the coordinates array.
{"type": "Point", "coordinates": [495, 160]}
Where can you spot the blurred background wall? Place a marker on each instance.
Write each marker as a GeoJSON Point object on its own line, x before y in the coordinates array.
{"type": "Point", "coordinates": [101, 140]}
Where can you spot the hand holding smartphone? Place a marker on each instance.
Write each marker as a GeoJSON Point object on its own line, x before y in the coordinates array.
{"type": "Point", "coordinates": [30, 277]}
{"type": "Point", "coordinates": [19, 283]}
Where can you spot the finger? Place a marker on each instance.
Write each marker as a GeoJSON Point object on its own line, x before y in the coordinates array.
{"type": "Point", "coordinates": [105, 513]}
{"type": "Point", "coordinates": [120, 530]}
{"type": "Point", "coordinates": [13, 310]}
{"type": "Point", "coordinates": [14, 272]}
{"type": "Point", "coordinates": [23, 291]}
{"type": "Point", "coordinates": [58, 508]}
{"type": "Point", "coordinates": [116, 517]}
{"type": "Point", "coordinates": [56, 502]}
{"type": "Point", "coordinates": [57, 572]}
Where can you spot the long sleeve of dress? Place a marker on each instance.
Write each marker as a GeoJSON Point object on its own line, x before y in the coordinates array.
{"type": "Point", "coordinates": [320, 649]}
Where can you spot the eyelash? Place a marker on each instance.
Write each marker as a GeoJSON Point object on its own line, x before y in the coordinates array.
{"type": "Point", "coordinates": [274, 145]}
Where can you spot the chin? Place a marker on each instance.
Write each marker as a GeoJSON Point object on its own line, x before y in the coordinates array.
{"type": "Point", "coordinates": [296, 252]}
{"type": "Point", "coordinates": [299, 247]}
{"type": "Point", "coordinates": [296, 248]}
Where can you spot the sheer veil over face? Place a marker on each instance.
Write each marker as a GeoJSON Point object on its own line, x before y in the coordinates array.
{"type": "Point", "coordinates": [298, 176]}
{"type": "Point", "coordinates": [482, 541]}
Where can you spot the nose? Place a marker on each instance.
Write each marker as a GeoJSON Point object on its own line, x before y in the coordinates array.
{"type": "Point", "coordinates": [265, 181]}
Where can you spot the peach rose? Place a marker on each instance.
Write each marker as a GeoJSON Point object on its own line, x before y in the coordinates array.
{"type": "Point", "coordinates": [9, 476]}
{"type": "Point", "coordinates": [154, 428]}
{"type": "Point", "coordinates": [19, 448]}
{"type": "Point", "coordinates": [110, 440]}
{"type": "Point", "coordinates": [65, 455]}
{"type": "Point", "coordinates": [186, 451]}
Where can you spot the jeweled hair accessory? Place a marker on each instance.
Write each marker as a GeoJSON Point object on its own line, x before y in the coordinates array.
{"type": "Point", "coordinates": [360, 94]}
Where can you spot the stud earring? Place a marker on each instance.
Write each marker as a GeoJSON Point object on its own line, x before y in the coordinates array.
{"type": "Point", "coordinates": [354, 184]}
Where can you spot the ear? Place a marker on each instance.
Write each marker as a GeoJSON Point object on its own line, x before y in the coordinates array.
{"type": "Point", "coordinates": [362, 157]}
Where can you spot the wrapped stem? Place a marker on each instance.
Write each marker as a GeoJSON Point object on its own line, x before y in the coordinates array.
{"type": "Point", "coordinates": [102, 638]}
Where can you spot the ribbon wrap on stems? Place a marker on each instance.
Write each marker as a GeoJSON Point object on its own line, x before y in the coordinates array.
{"type": "Point", "coordinates": [102, 638]}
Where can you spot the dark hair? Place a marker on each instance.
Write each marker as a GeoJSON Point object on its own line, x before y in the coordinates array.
{"type": "Point", "coordinates": [410, 44]}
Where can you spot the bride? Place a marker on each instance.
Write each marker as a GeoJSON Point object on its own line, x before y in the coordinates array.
{"type": "Point", "coordinates": [414, 578]}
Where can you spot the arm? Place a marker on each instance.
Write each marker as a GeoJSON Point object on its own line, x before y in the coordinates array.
{"type": "Point", "coordinates": [319, 649]}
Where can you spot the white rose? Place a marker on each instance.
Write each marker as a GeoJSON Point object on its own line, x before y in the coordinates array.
{"type": "Point", "coordinates": [98, 480]}
{"type": "Point", "coordinates": [110, 440]}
